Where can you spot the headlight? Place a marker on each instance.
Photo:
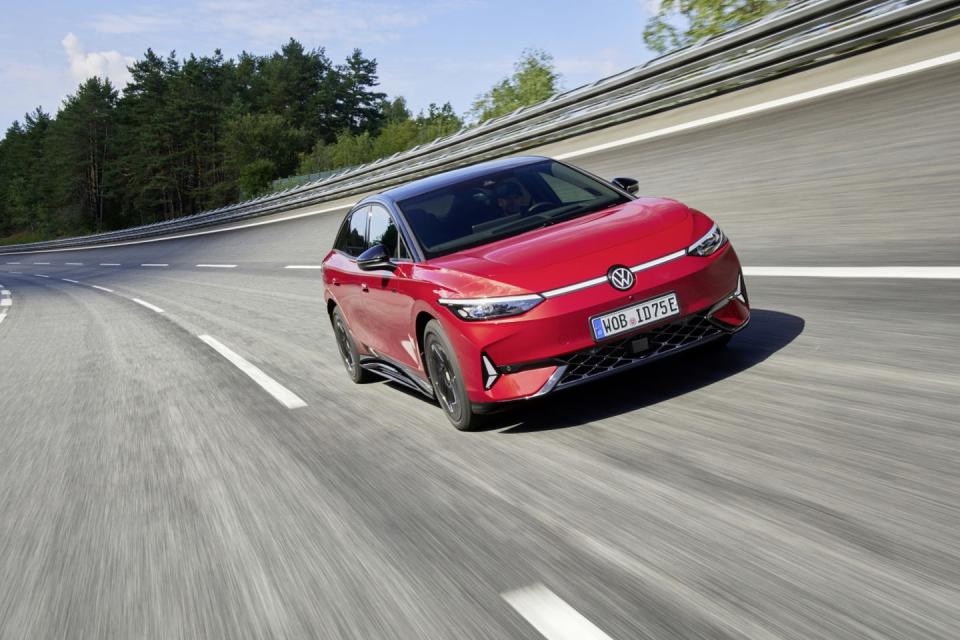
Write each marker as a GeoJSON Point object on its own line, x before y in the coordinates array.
{"type": "Point", "coordinates": [708, 244]}
{"type": "Point", "coordinates": [489, 308]}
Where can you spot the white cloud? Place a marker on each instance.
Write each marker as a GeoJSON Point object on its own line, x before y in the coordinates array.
{"type": "Point", "coordinates": [104, 64]}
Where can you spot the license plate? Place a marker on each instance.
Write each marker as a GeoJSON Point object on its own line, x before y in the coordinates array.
{"type": "Point", "coordinates": [638, 315]}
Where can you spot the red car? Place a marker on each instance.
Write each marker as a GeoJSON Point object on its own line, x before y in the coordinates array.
{"type": "Point", "coordinates": [517, 278]}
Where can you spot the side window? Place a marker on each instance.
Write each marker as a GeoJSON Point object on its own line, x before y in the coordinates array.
{"type": "Point", "coordinates": [384, 231]}
{"type": "Point", "coordinates": [352, 237]}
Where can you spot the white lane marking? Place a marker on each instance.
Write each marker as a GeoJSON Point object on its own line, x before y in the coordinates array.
{"type": "Point", "coordinates": [69, 280]}
{"type": "Point", "coordinates": [933, 273]}
{"type": "Point", "coordinates": [73, 264]}
{"type": "Point", "coordinates": [3, 316]}
{"type": "Point", "coordinates": [109, 264]}
{"type": "Point", "coordinates": [217, 266]}
{"type": "Point", "coordinates": [200, 233]}
{"type": "Point", "coordinates": [13, 263]}
{"type": "Point", "coordinates": [304, 266]}
{"type": "Point", "coordinates": [803, 96]}
{"type": "Point", "coordinates": [4, 292]}
{"type": "Point", "coordinates": [6, 302]}
{"type": "Point", "coordinates": [96, 286]}
{"type": "Point", "coordinates": [41, 263]}
{"type": "Point", "coordinates": [40, 275]}
{"type": "Point", "coordinates": [19, 273]}
{"type": "Point", "coordinates": [152, 307]}
{"type": "Point", "coordinates": [155, 264]}
{"type": "Point", "coordinates": [283, 395]}
{"type": "Point", "coordinates": [551, 616]}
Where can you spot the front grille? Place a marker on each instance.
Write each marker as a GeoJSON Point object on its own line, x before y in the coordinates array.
{"type": "Point", "coordinates": [615, 355]}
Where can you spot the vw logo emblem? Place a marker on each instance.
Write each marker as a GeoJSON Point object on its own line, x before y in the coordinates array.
{"type": "Point", "coordinates": [620, 277]}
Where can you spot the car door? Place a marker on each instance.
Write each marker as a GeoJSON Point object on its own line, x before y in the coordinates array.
{"type": "Point", "coordinates": [387, 300]}
{"type": "Point", "coordinates": [341, 271]}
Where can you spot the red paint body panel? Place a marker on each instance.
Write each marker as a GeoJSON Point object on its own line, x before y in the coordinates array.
{"type": "Point", "coordinates": [382, 307]}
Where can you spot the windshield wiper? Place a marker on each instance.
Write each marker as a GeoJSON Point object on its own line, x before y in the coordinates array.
{"type": "Point", "coordinates": [559, 215]}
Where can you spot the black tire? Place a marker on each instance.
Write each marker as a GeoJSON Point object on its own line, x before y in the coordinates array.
{"type": "Point", "coordinates": [447, 378]}
{"type": "Point", "coordinates": [348, 348]}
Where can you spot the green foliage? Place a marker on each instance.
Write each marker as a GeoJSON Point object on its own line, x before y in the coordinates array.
{"type": "Point", "coordinates": [194, 133]}
{"type": "Point", "coordinates": [401, 132]}
{"type": "Point", "coordinates": [187, 134]}
{"type": "Point", "coordinates": [260, 148]}
{"type": "Point", "coordinates": [701, 19]}
{"type": "Point", "coordinates": [534, 80]}
{"type": "Point", "coordinates": [78, 148]}
{"type": "Point", "coordinates": [22, 160]}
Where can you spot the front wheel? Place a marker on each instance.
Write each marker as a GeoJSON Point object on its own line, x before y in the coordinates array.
{"type": "Point", "coordinates": [447, 379]}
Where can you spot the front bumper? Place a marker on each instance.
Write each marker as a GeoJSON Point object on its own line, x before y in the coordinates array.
{"type": "Point", "coordinates": [552, 348]}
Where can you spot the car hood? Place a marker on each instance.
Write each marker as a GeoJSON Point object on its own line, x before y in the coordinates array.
{"type": "Point", "coordinates": [578, 249]}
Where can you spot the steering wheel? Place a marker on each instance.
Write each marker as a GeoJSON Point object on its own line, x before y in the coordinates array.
{"type": "Point", "coordinates": [537, 207]}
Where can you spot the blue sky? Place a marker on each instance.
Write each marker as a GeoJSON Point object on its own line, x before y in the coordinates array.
{"type": "Point", "coordinates": [429, 51]}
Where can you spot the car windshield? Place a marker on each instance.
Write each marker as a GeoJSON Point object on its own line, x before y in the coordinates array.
{"type": "Point", "coordinates": [503, 204]}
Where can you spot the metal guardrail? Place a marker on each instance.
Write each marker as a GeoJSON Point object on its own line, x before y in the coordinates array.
{"type": "Point", "coordinates": [803, 35]}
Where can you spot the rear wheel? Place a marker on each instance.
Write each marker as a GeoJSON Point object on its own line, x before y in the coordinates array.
{"type": "Point", "coordinates": [348, 348]}
{"type": "Point", "coordinates": [447, 378]}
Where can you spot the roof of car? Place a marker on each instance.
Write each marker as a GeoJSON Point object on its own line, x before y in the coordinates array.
{"type": "Point", "coordinates": [431, 183]}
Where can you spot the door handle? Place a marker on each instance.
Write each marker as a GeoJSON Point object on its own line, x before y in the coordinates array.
{"type": "Point", "coordinates": [336, 282]}
{"type": "Point", "coordinates": [364, 287]}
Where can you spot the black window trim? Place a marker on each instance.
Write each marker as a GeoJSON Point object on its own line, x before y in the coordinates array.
{"type": "Point", "coordinates": [345, 222]}
{"type": "Point", "coordinates": [401, 236]}
{"type": "Point", "coordinates": [416, 254]}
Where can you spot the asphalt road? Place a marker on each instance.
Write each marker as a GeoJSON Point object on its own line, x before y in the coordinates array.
{"type": "Point", "coordinates": [802, 484]}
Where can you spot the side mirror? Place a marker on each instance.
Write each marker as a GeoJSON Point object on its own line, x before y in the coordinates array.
{"type": "Point", "coordinates": [375, 258]}
{"type": "Point", "coordinates": [627, 184]}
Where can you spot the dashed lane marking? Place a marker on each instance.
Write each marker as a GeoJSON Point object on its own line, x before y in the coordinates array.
{"type": "Point", "coordinates": [146, 304]}
{"type": "Point", "coordinates": [248, 225]}
{"type": "Point", "coordinates": [96, 286]}
{"type": "Point", "coordinates": [551, 616]}
{"type": "Point", "coordinates": [5, 302]}
{"type": "Point", "coordinates": [216, 266]}
{"type": "Point", "coordinates": [280, 393]}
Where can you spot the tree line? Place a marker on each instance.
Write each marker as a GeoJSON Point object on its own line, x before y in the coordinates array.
{"type": "Point", "coordinates": [190, 134]}
{"type": "Point", "coordinates": [196, 133]}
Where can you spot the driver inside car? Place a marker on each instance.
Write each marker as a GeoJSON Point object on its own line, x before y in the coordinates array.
{"type": "Point", "coordinates": [511, 199]}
